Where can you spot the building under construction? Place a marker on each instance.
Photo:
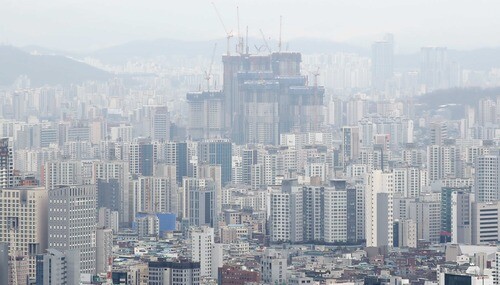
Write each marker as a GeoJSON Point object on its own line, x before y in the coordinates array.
{"type": "Point", "coordinates": [262, 97]}
{"type": "Point", "coordinates": [206, 115]}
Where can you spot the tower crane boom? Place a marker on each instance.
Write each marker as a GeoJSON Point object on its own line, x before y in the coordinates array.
{"type": "Point", "coordinates": [208, 74]}
{"type": "Point", "coordinates": [229, 34]}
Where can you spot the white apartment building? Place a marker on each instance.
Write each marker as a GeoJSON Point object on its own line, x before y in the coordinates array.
{"type": "Point", "coordinates": [205, 251]}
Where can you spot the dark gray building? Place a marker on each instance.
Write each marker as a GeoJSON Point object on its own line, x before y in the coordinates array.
{"type": "Point", "coordinates": [217, 152]}
{"type": "Point", "coordinates": [4, 263]}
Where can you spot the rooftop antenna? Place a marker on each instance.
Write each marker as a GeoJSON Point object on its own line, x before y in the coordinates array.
{"type": "Point", "coordinates": [229, 34]}
{"type": "Point", "coordinates": [279, 43]}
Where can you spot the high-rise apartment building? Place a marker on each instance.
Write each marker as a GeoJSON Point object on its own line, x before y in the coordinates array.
{"type": "Point", "coordinates": [314, 213]}
{"type": "Point", "coordinates": [379, 208]}
{"type": "Point", "coordinates": [155, 195]}
{"type": "Point", "coordinates": [203, 205]}
{"type": "Point", "coordinates": [205, 251]}
{"type": "Point", "coordinates": [72, 222]}
{"type": "Point", "coordinates": [160, 123]}
{"type": "Point", "coordinates": [113, 187]}
{"type": "Point", "coordinates": [487, 178]}
{"type": "Point", "coordinates": [64, 172]}
{"type": "Point", "coordinates": [174, 154]}
{"type": "Point", "coordinates": [142, 157]}
{"type": "Point", "coordinates": [350, 144]}
{"type": "Point", "coordinates": [442, 162]}
{"type": "Point", "coordinates": [426, 212]}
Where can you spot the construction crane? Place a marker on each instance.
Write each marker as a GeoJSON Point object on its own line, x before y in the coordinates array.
{"type": "Point", "coordinates": [279, 42]}
{"type": "Point", "coordinates": [259, 48]}
{"type": "Point", "coordinates": [229, 34]}
{"type": "Point", "coordinates": [316, 74]}
{"type": "Point", "coordinates": [265, 41]}
{"type": "Point", "coordinates": [240, 38]}
{"type": "Point", "coordinates": [208, 74]}
{"type": "Point", "coordinates": [13, 254]}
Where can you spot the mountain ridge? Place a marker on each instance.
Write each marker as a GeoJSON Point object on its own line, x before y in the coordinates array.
{"type": "Point", "coordinates": [44, 69]}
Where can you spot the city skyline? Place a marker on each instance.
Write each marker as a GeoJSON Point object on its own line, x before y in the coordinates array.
{"type": "Point", "coordinates": [154, 163]}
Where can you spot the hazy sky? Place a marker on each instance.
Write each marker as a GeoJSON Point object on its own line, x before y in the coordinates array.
{"type": "Point", "coordinates": [91, 24]}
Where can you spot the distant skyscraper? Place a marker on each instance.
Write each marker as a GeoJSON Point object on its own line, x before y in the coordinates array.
{"type": "Point", "coordinates": [206, 115]}
{"type": "Point", "coordinates": [72, 222]}
{"type": "Point", "coordinates": [160, 123]}
{"type": "Point", "coordinates": [435, 68]}
{"type": "Point", "coordinates": [382, 62]}
{"type": "Point", "coordinates": [265, 95]}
